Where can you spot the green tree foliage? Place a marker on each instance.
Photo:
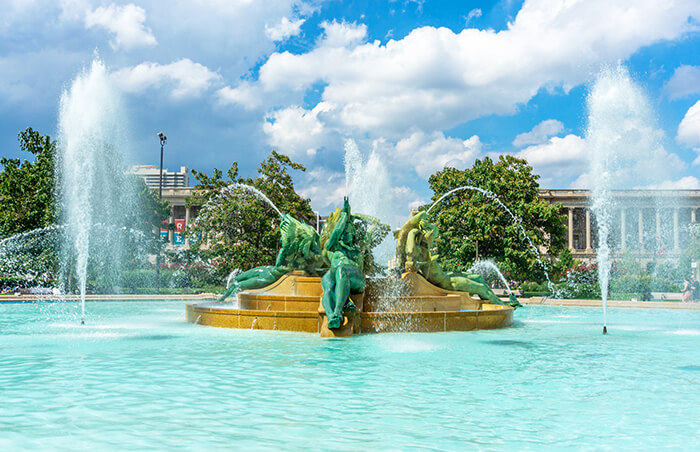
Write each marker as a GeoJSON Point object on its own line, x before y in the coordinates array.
{"type": "Point", "coordinates": [27, 203]}
{"type": "Point", "coordinates": [468, 218]}
{"type": "Point", "coordinates": [563, 264]}
{"type": "Point", "coordinates": [27, 188]}
{"type": "Point", "coordinates": [150, 210]}
{"type": "Point", "coordinates": [241, 229]}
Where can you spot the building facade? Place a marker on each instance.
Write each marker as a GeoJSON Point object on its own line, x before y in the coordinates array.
{"type": "Point", "coordinates": [171, 179]}
{"type": "Point", "coordinates": [649, 224]}
{"type": "Point", "coordinates": [180, 214]}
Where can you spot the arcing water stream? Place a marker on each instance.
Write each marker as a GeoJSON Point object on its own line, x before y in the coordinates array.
{"type": "Point", "coordinates": [486, 266]}
{"type": "Point", "coordinates": [231, 189]}
{"type": "Point", "coordinates": [514, 218]}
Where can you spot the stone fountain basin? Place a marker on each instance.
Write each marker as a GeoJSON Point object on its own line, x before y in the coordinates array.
{"type": "Point", "coordinates": [293, 303]}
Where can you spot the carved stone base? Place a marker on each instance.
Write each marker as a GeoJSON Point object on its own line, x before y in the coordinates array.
{"type": "Point", "coordinates": [293, 303]}
{"type": "Point", "coordinates": [347, 329]}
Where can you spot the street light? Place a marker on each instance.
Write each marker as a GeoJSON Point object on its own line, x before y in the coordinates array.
{"type": "Point", "coordinates": [163, 139]}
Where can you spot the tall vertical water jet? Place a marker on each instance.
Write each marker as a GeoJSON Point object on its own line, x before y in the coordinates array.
{"type": "Point", "coordinates": [91, 174]}
{"type": "Point", "coordinates": [625, 151]}
{"type": "Point", "coordinates": [368, 186]}
{"type": "Point", "coordinates": [369, 189]}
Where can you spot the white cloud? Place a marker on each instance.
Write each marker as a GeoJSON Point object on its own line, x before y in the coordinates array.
{"type": "Point", "coordinates": [324, 187]}
{"type": "Point", "coordinates": [74, 10]}
{"type": "Point", "coordinates": [476, 12]}
{"type": "Point", "coordinates": [689, 130]}
{"type": "Point", "coordinates": [438, 79]}
{"type": "Point", "coordinates": [284, 30]}
{"type": "Point", "coordinates": [684, 183]}
{"type": "Point", "coordinates": [14, 11]}
{"type": "Point", "coordinates": [126, 23]}
{"type": "Point", "coordinates": [296, 131]}
{"type": "Point", "coordinates": [684, 82]}
{"type": "Point", "coordinates": [557, 151]}
{"type": "Point", "coordinates": [430, 153]}
{"type": "Point", "coordinates": [245, 94]}
{"type": "Point", "coordinates": [408, 198]}
{"type": "Point", "coordinates": [343, 34]}
{"type": "Point", "coordinates": [185, 78]}
{"type": "Point", "coordinates": [540, 133]}
{"type": "Point", "coordinates": [559, 159]}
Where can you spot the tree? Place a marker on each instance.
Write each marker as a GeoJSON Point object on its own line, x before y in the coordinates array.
{"type": "Point", "coordinates": [27, 188]}
{"type": "Point", "coordinates": [150, 210]}
{"type": "Point", "coordinates": [474, 226]}
{"type": "Point", "coordinates": [564, 262]}
{"type": "Point", "coordinates": [242, 229]}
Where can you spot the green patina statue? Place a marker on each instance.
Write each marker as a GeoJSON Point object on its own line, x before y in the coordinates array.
{"type": "Point", "coordinates": [300, 250]}
{"type": "Point", "coordinates": [415, 240]}
{"type": "Point", "coordinates": [347, 241]}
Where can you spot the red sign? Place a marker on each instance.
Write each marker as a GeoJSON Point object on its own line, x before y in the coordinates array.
{"type": "Point", "coordinates": [180, 226]}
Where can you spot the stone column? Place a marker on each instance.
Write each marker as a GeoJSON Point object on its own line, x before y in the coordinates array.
{"type": "Point", "coordinates": [623, 233]}
{"type": "Point", "coordinates": [571, 228]}
{"type": "Point", "coordinates": [675, 229]}
{"type": "Point", "coordinates": [692, 215]}
{"type": "Point", "coordinates": [640, 229]}
{"type": "Point", "coordinates": [658, 224]}
{"type": "Point", "coordinates": [588, 231]}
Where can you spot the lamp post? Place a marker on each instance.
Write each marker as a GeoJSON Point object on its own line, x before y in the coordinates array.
{"type": "Point", "coordinates": [163, 139]}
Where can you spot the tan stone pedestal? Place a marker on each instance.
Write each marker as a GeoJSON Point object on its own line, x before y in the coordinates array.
{"type": "Point", "coordinates": [293, 303]}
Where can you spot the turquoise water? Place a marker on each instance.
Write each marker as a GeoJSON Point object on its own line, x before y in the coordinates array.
{"type": "Point", "coordinates": [138, 377]}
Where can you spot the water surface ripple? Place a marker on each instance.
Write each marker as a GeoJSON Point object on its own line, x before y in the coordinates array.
{"type": "Point", "coordinates": [138, 377]}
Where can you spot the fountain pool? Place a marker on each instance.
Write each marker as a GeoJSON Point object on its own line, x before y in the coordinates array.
{"type": "Point", "coordinates": [138, 377]}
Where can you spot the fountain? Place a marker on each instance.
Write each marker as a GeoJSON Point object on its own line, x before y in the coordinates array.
{"type": "Point", "coordinates": [27, 255]}
{"type": "Point", "coordinates": [328, 284]}
{"type": "Point", "coordinates": [365, 179]}
{"type": "Point", "coordinates": [92, 181]}
{"type": "Point", "coordinates": [623, 143]}
{"type": "Point", "coordinates": [94, 195]}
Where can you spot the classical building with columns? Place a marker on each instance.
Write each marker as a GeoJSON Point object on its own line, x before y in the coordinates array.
{"type": "Point", "coordinates": [649, 224]}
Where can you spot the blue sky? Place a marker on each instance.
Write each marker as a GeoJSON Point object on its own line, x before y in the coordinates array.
{"type": "Point", "coordinates": [418, 84]}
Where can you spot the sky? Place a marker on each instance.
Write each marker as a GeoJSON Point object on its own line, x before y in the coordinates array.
{"type": "Point", "coordinates": [417, 84]}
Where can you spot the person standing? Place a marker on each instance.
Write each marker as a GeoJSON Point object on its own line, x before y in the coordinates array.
{"type": "Point", "coordinates": [686, 292]}
{"type": "Point", "coordinates": [695, 289]}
